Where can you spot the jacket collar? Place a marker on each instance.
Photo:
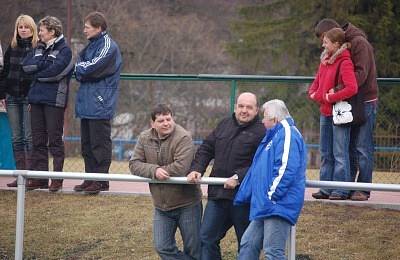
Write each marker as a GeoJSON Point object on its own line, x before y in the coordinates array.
{"type": "Point", "coordinates": [57, 40]}
{"type": "Point", "coordinates": [154, 134]}
{"type": "Point", "coordinates": [255, 119]}
{"type": "Point", "coordinates": [98, 36]}
{"type": "Point", "coordinates": [270, 133]}
{"type": "Point", "coordinates": [326, 59]}
{"type": "Point", "coordinates": [24, 42]}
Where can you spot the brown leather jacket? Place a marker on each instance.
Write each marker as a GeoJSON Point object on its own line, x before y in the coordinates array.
{"type": "Point", "coordinates": [173, 153]}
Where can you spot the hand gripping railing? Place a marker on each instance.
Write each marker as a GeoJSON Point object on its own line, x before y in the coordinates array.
{"type": "Point", "coordinates": [22, 175]}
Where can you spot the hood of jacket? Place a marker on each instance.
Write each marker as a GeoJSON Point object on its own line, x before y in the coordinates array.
{"type": "Point", "coordinates": [326, 59]}
{"type": "Point", "coordinates": [352, 31]}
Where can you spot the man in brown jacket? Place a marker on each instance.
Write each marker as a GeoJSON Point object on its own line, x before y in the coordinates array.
{"type": "Point", "coordinates": [163, 151]}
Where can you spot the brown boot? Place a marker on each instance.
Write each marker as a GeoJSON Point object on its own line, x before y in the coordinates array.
{"type": "Point", "coordinates": [13, 184]}
{"type": "Point", "coordinates": [34, 184]}
{"type": "Point", "coordinates": [93, 189]}
{"type": "Point", "coordinates": [104, 185]}
{"type": "Point", "coordinates": [82, 186]}
{"type": "Point", "coordinates": [55, 185]}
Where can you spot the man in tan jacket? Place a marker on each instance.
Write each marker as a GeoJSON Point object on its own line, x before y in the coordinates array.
{"type": "Point", "coordinates": [163, 151]}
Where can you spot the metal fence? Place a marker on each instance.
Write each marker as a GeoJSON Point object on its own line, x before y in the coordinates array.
{"type": "Point", "coordinates": [22, 176]}
{"type": "Point", "coordinates": [200, 101]}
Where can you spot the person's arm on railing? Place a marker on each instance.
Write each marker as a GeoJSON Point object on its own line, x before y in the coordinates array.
{"type": "Point", "coordinates": [138, 165]}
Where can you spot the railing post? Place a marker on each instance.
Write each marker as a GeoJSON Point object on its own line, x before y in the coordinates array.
{"type": "Point", "coordinates": [19, 229]}
{"type": "Point", "coordinates": [233, 94]}
{"type": "Point", "coordinates": [292, 243]}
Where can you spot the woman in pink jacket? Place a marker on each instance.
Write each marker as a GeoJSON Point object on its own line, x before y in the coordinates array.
{"type": "Point", "coordinates": [335, 69]}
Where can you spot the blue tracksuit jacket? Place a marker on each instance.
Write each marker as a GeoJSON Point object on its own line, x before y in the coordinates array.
{"type": "Point", "coordinates": [275, 183]}
{"type": "Point", "coordinates": [98, 70]}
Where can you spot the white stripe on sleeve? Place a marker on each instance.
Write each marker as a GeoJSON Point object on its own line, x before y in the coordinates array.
{"type": "Point", "coordinates": [285, 157]}
{"type": "Point", "coordinates": [107, 44]}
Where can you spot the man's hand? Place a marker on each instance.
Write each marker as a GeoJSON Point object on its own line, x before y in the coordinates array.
{"type": "Point", "coordinates": [194, 177]}
{"type": "Point", "coordinates": [161, 174]}
{"type": "Point", "coordinates": [232, 182]}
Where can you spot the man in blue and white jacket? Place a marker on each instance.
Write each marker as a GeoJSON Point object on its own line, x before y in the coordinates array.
{"type": "Point", "coordinates": [274, 185]}
{"type": "Point", "coordinates": [98, 70]}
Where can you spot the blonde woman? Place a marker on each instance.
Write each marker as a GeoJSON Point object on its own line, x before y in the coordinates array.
{"type": "Point", "coordinates": [14, 87]}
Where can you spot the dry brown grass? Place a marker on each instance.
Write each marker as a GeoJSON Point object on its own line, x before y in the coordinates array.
{"type": "Point", "coordinates": [71, 226]}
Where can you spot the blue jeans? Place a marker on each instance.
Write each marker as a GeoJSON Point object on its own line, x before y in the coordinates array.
{"type": "Point", "coordinates": [341, 144]}
{"type": "Point", "coordinates": [20, 122]}
{"type": "Point", "coordinates": [326, 150]}
{"type": "Point", "coordinates": [165, 223]}
{"type": "Point", "coordinates": [219, 217]}
{"type": "Point", "coordinates": [362, 146]}
{"type": "Point", "coordinates": [270, 233]}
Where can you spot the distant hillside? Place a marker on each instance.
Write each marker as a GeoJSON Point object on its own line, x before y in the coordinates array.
{"type": "Point", "coordinates": [155, 36]}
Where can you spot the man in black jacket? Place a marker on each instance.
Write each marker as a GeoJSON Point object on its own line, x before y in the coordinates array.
{"type": "Point", "coordinates": [232, 146]}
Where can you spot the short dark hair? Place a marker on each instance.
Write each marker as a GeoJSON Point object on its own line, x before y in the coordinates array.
{"type": "Point", "coordinates": [97, 19]}
{"type": "Point", "coordinates": [52, 24]}
{"type": "Point", "coordinates": [325, 25]}
{"type": "Point", "coordinates": [161, 109]}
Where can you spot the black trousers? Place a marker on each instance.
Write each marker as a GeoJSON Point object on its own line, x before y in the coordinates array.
{"type": "Point", "coordinates": [96, 145]}
{"type": "Point", "coordinates": [47, 123]}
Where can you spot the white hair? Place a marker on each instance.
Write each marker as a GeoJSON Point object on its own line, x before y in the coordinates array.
{"type": "Point", "coordinates": [276, 109]}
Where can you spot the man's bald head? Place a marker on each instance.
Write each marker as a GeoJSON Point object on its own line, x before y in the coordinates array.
{"type": "Point", "coordinates": [246, 107]}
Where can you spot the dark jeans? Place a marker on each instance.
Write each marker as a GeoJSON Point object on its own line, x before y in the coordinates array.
{"type": "Point", "coordinates": [165, 224]}
{"type": "Point", "coordinates": [219, 217]}
{"type": "Point", "coordinates": [326, 151]}
{"type": "Point", "coordinates": [20, 122]}
{"type": "Point", "coordinates": [47, 124]}
{"type": "Point", "coordinates": [96, 145]}
{"type": "Point", "coordinates": [341, 171]}
{"type": "Point", "coordinates": [362, 147]}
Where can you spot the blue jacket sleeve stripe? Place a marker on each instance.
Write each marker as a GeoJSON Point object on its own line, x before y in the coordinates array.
{"type": "Point", "coordinates": [107, 44]}
{"type": "Point", "coordinates": [285, 157]}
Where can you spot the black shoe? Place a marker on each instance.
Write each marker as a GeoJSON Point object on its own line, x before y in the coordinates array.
{"type": "Point", "coordinates": [104, 185]}
{"type": "Point", "coordinates": [320, 196]}
{"type": "Point", "coordinates": [359, 196]}
{"type": "Point", "coordinates": [336, 196]}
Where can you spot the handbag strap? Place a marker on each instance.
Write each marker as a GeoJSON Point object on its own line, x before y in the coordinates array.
{"type": "Point", "coordinates": [336, 87]}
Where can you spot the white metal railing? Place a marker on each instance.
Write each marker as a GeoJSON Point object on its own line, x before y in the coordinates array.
{"type": "Point", "coordinates": [22, 175]}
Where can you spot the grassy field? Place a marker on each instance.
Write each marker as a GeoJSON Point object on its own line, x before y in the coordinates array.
{"type": "Point", "coordinates": [73, 226]}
